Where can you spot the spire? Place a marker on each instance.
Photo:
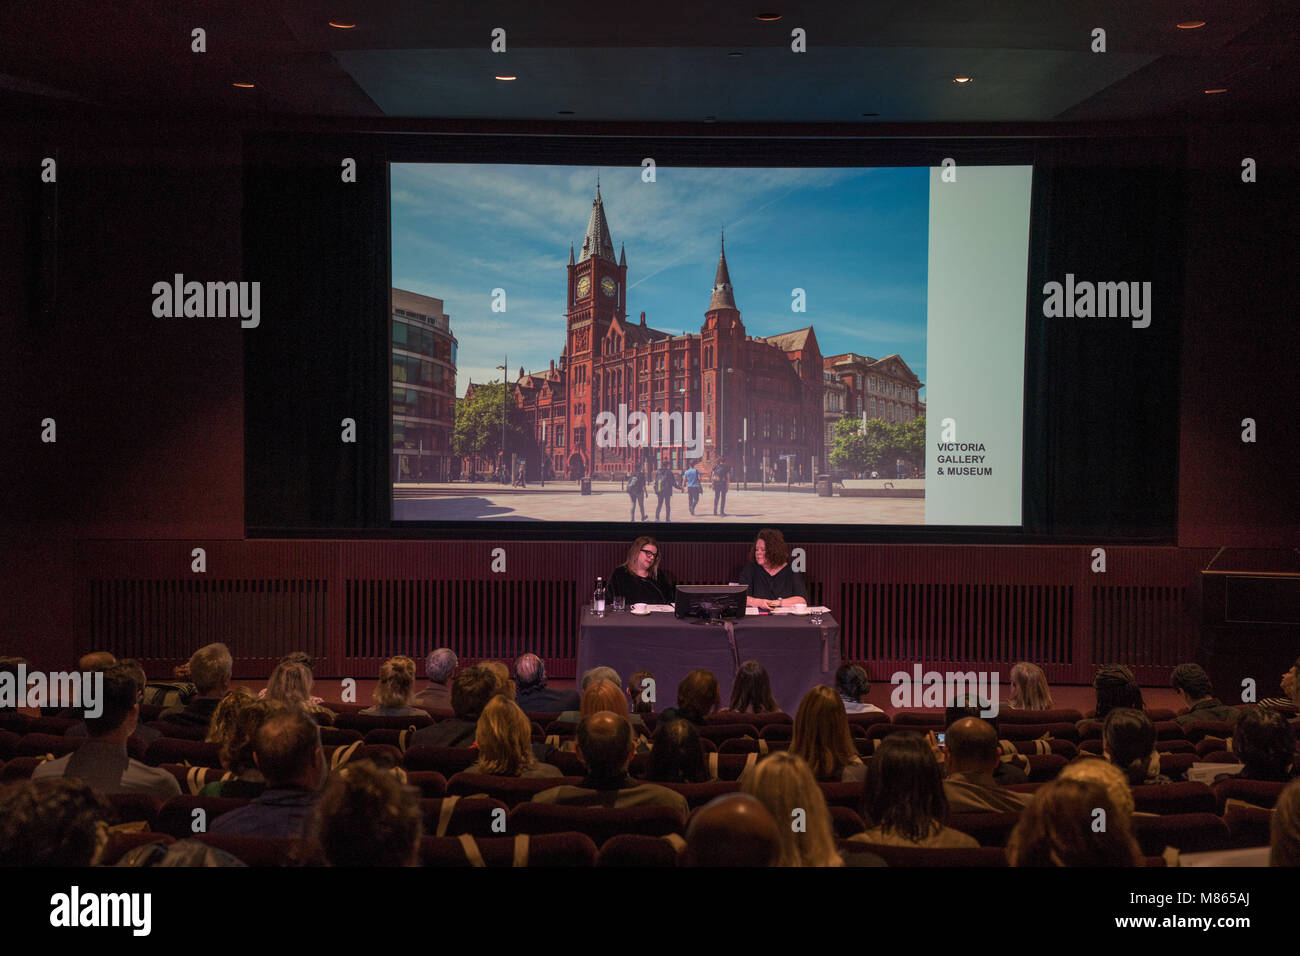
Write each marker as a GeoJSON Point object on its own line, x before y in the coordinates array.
{"type": "Point", "coordinates": [570, 253]}
{"type": "Point", "coordinates": [622, 255]}
{"type": "Point", "coordinates": [598, 243]}
{"type": "Point", "coordinates": [722, 297]}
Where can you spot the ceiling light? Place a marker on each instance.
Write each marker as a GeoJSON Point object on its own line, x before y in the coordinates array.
{"type": "Point", "coordinates": [767, 17]}
{"type": "Point", "coordinates": [243, 86]}
{"type": "Point", "coordinates": [1222, 89]}
{"type": "Point", "coordinates": [566, 112]}
{"type": "Point", "coordinates": [506, 78]}
{"type": "Point", "coordinates": [1191, 24]}
{"type": "Point", "coordinates": [343, 26]}
{"type": "Point", "coordinates": [962, 79]}
{"type": "Point", "coordinates": [870, 114]}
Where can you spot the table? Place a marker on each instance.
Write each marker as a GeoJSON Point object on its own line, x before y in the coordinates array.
{"type": "Point", "coordinates": [798, 655]}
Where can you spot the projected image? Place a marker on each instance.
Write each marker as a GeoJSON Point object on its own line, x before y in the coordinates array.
{"type": "Point", "coordinates": [719, 345]}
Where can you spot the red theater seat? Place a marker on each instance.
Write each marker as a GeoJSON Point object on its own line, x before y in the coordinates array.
{"type": "Point", "coordinates": [846, 822]}
{"type": "Point", "coordinates": [20, 768]}
{"type": "Point", "coordinates": [120, 843]}
{"type": "Point", "coordinates": [452, 816]}
{"type": "Point", "coordinates": [1174, 798]}
{"type": "Point", "coordinates": [599, 823]}
{"type": "Point", "coordinates": [631, 850]}
{"type": "Point", "coordinates": [1261, 793]}
{"type": "Point", "coordinates": [511, 791]}
{"type": "Point", "coordinates": [444, 760]}
{"type": "Point", "coordinates": [1008, 716]}
{"type": "Point", "coordinates": [193, 752]}
{"type": "Point", "coordinates": [698, 794]}
{"type": "Point", "coordinates": [1188, 832]}
{"type": "Point", "coordinates": [134, 807]}
{"type": "Point", "coordinates": [253, 851]}
{"type": "Point", "coordinates": [927, 856]}
{"type": "Point", "coordinates": [988, 829]}
{"type": "Point", "coordinates": [1248, 824]}
{"type": "Point", "coordinates": [38, 745]}
{"type": "Point", "coordinates": [544, 850]}
{"type": "Point", "coordinates": [178, 731]}
{"type": "Point", "coordinates": [176, 817]}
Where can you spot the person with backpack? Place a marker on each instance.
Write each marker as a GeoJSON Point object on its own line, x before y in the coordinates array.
{"type": "Point", "coordinates": [636, 491]}
{"type": "Point", "coordinates": [694, 489]}
{"type": "Point", "coordinates": [665, 482]}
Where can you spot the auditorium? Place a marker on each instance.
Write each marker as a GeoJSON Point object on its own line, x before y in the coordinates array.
{"type": "Point", "coordinates": [539, 437]}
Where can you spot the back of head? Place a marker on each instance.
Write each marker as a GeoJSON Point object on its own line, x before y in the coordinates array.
{"type": "Point", "coordinates": [504, 738]}
{"type": "Point", "coordinates": [959, 709]}
{"type": "Point", "coordinates": [237, 747]}
{"type": "Point", "coordinates": [286, 746]}
{"type": "Point", "coordinates": [1129, 738]}
{"type": "Point", "coordinates": [96, 661]}
{"type": "Point", "coordinates": [605, 743]}
{"type": "Point", "coordinates": [697, 695]}
{"type": "Point", "coordinates": [851, 681]}
{"type": "Point", "coordinates": [1265, 742]}
{"type": "Point", "coordinates": [396, 682]}
{"type": "Point", "coordinates": [1060, 828]}
{"type": "Point", "coordinates": [1116, 687]}
{"type": "Point", "coordinates": [210, 668]}
{"type": "Point", "coordinates": [1285, 828]}
{"type": "Point", "coordinates": [1029, 687]}
{"type": "Point", "coordinates": [600, 673]}
{"type": "Point", "coordinates": [226, 714]}
{"type": "Point", "coordinates": [50, 822]}
{"type": "Point", "coordinates": [530, 672]}
{"type": "Point", "coordinates": [903, 792]}
{"type": "Point", "coordinates": [603, 695]}
{"type": "Point", "coordinates": [821, 733]}
{"type": "Point", "coordinates": [471, 690]}
{"type": "Point", "coordinates": [972, 746]}
{"type": "Point", "coordinates": [1192, 680]}
{"type": "Point", "coordinates": [734, 830]}
{"type": "Point", "coordinates": [290, 684]}
{"type": "Point", "coordinates": [752, 689]}
{"type": "Point", "coordinates": [121, 693]}
{"type": "Point", "coordinates": [783, 783]}
{"type": "Point", "coordinates": [440, 664]}
{"type": "Point", "coordinates": [1106, 775]}
{"type": "Point", "coordinates": [636, 690]}
{"type": "Point", "coordinates": [501, 674]}
{"type": "Point", "coordinates": [677, 755]}
{"type": "Point", "coordinates": [365, 817]}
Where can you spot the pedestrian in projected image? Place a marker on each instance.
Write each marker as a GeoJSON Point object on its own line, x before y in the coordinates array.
{"type": "Point", "coordinates": [636, 492]}
{"type": "Point", "coordinates": [665, 484]}
{"type": "Point", "coordinates": [721, 479]}
{"type": "Point", "coordinates": [691, 478]}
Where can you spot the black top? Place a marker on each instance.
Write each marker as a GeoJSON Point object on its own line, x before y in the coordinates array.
{"type": "Point", "coordinates": [639, 590]}
{"type": "Point", "coordinates": [770, 587]}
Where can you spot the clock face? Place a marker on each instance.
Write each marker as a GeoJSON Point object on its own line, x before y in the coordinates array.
{"type": "Point", "coordinates": [607, 285]}
{"type": "Point", "coordinates": [584, 286]}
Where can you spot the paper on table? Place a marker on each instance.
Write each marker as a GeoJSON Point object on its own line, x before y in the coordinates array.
{"type": "Point", "coordinates": [659, 607]}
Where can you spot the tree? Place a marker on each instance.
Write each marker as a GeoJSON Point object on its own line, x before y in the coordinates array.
{"type": "Point", "coordinates": [478, 426]}
{"type": "Point", "coordinates": [856, 449]}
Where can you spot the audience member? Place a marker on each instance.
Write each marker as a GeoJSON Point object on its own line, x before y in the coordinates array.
{"type": "Point", "coordinates": [821, 737]}
{"type": "Point", "coordinates": [393, 692]}
{"type": "Point", "coordinates": [1115, 686]}
{"type": "Point", "coordinates": [600, 673]}
{"type": "Point", "coordinates": [439, 666]}
{"type": "Point", "coordinates": [102, 761]}
{"type": "Point", "coordinates": [287, 750]}
{"type": "Point", "coordinates": [290, 685]}
{"type": "Point", "coordinates": [470, 693]}
{"type": "Point", "coordinates": [532, 694]}
{"type": "Point", "coordinates": [1288, 705]}
{"type": "Point", "coordinates": [1029, 689]}
{"type": "Point", "coordinates": [1012, 768]}
{"type": "Point", "coordinates": [1059, 828]}
{"type": "Point", "coordinates": [1265, 742]}
{"type": "Point", "coordinates": [236, 752]}
{"type": "Point", "coordinates": [226, 713]}
{"type": "Point", "coordinates": [501, 674]}
{"type": "Point", "coordinates": [51, 823]}
{"type": "Point", "coordinates": [606, 747]}
{"type": "Point", "coordinates": [1285, 828]}
{"type": "Point", "coordinates": [1129, 740]}
{"type": "Point", "coordinates": [640, 693]}
{"type": "Point", "coordinates": [697, 696]}
{"type": "Point", "coordinates": [209, 669]}
{"type": "Point", "coordinates": [852, 683]}
{"type": "Point", "coordinates": [677, 755]}
{"type": "Point", "coordinates": [143, 736]}
{"type": "Point", "coordinates": [902, 800]}
{"type": "Point", "coordinates": [751, 691]}
{"type": "Point", "coordinates": [503, 735]}
{"type": "Point", "coordinates": [971, 745]}
{"type": "Point", "coordinates": [365, 817]}
{"type": "Point", "coordinates": [1193, 687]}
{"type": "Point", "coordinates": [1106, 775]}
{"type": "Point", "coordinates": [13, 666]}
{"type": "Point", "coordinates": [733, 830]}
{"type": "Point", "coordinates": [783, 783]}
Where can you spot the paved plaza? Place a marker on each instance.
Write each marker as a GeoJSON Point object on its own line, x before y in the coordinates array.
{"type": "Point", "coordinates": [561, 501]}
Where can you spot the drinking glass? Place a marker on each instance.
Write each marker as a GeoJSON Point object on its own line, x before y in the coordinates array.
{"type": "Point", "coordinates": [815, 617]}
{"type": "Point", "coordinates": [620, 602]}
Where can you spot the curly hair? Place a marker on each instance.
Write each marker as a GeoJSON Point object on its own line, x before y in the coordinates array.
{"type": "Point", "coordinates": [778, 552]}
{"type": "Point", "coordinates": [51, 822]}
{"type": "Point", "coordinates": [365, 817]}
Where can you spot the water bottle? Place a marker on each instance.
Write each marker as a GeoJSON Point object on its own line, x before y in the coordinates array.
{"type": "Point", "coordinates": [598, 598]}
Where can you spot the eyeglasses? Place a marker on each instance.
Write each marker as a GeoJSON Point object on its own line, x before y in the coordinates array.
{"type": "Point", "coordinates": [653, 554]}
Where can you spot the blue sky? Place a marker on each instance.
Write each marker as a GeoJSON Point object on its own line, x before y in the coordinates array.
{"type": "Point", "coordinates": [854, 239]}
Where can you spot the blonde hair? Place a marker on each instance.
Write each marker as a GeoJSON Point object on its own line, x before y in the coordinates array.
{"type": "Point", "coordinates": [784, 784]}
{"type": "Point", "coordinates": [1107, 776]}
{"type": "Point", "coordinates": [504, 738]}
{"type": "Point", "coordinates": [603, 695]}
{"type": "Point", "coordinates": [396, 680]}
{"type": "Point", "coordinates": [226, 715]}
{"type": "Point", "coordinates": [290, 684]}
{"type": "Point", "coordinates": [1029, 689]}
{"type": "Point", "coordinates": [821, 734]}
{"type": "Point", "coordinates": [501, 674]}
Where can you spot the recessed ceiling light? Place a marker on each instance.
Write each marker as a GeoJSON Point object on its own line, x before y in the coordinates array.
{"type": "Point", "coordinates": [1191, 24]}
{"type": "Point", "coordinates": [870, 114]}
{"type": "Point", "coordinates": [343, 26]}
{"type": "Point", "coordinates": [506, 78]}
{"type": "Point", "coordinates": [710, 119]}
{"type": "Point", "coordinates": [962, 79]}
{"type": "Point", "coordinates": [1221, 89]}
{"type": "Point", "coordinates": [735, 53]}
{"type": "Point", "coordinates": [767, 17]}
{"type": "Point", "coordinates": [243, 86]}
{"type": "Point", "coordinates": [566, 112]}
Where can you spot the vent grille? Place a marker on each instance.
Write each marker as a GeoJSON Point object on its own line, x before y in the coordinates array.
{"type": "Point", "coordinates": [1139, 626]}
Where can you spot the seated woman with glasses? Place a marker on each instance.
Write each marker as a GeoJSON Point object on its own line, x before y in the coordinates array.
{"type": "Point", "coordinates": [639, 579]}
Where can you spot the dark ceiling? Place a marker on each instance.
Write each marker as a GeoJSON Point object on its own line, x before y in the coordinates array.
{"type": "Point", "coordinates": [667, 60]}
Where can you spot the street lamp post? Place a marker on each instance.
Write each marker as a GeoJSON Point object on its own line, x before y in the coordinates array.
{"type": "Point", "coordinates": [503, 368]}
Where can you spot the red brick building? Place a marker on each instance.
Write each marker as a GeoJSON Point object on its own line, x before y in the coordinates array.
{"type": "Point", "coordinates": [625, 396]}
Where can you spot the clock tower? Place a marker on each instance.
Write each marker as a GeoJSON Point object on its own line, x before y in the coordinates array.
{"type": "Point", "coordinates": [597, 293]}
